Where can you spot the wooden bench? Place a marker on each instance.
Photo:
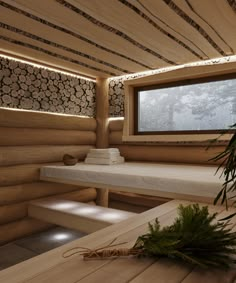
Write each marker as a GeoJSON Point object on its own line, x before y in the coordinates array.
{"type": "Point", "coordinates": [76, 215]}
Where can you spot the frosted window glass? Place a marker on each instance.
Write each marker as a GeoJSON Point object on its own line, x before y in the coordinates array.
{"type": "Point", "coordinates": [201, 106]}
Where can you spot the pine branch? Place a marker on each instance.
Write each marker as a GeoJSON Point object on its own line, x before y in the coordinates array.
{"type": "Point", "coordinates": [192, 238]}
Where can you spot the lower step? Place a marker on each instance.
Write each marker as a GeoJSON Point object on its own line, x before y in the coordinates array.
{"type": "Point", "coordinates": [76, 215]}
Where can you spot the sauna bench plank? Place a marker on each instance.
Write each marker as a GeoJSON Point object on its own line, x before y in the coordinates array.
{"type": "Point", "coordinates": [177, 181]}
{"type": "Point", "coordinates": [52, 267]}
{"type": "Point", "coordinates": [76, 215]}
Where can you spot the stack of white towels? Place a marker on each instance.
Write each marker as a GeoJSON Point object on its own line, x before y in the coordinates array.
{"type": "Point", "coordinates": [107, 156]}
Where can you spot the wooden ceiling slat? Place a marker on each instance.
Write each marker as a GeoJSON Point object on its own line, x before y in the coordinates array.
{"type": "Point", "coordinates": [125, 37]}
{"type": "Point", "coordinates": [203, 26]}
{"type": "Point", "coordinates": [114, 37]}
{"type": "Point", "coordinates": [64, 48]}
{"type": "Point", "coordinates": [78, 24]}
{"type": "Point", "coordinates": [33, 55]}
{"type": "Point", "coordinates": [136, 27]}
{"type": "Point", "coordinates": [17, 40]}
{"type": "Point", "coordinates": [173, 19]}
{"type": "Point", "coordinates": [55, 36]}
{"type": "Point", "coordinates": [142, 6]}
{"type": "Point", "coordinates": [226, 26]}
{"type": "Point", "coordinates": [163, 30]}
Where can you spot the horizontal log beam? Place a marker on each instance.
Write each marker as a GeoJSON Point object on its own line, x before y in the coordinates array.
{"type": "Point", "coordinates": [84, 195]}
{"type": "Point", "coordinates": [13, 212]}
{"type": "Point", "coordinates": [176, 154]}
{"type": "Point", "coordinates": [127, 206]}
{"type": "Point", "coordinates": [137, 199]}
{"type": "Point", "coordinates": [21, 228]}
{"type": "Point", "coordinates": [115, 137]}
{"type": "Point", "coordinates": [19, 174]}
{"type": "Point", "coordinates": [116, 124]}
{"type": "Point", "coordinates": [13, 155]}
{"type": "Point", "coordinates": [10, 213]}
{"type": "Point", "coordinates": [27, 136]}
{"type": "Point", "coordinates": [26, 192]}
{"type": "Point", "coordinates": [31, 119]}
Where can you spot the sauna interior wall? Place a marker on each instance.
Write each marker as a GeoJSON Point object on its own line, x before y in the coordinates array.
{"type": "Point", "coordinates": [31, 139]}
{"type": "Point", "coordinates": [181, 152]}
{"type": "Point", "coordinates": [177, 152]}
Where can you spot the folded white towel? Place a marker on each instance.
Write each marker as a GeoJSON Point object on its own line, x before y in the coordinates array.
{"type": "Point", "coordinates": [104, 161]}
{"type": "Point", "coordinates": [111, 155]}
{"type": "Point", "coordinates": [104, 150]}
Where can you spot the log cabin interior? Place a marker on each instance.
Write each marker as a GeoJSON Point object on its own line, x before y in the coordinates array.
{"type": "Point", "coordinates": [107, 110]}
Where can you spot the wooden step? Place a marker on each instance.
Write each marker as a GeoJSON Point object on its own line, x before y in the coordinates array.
{"type": "Point", "coordinates": [76, 215]}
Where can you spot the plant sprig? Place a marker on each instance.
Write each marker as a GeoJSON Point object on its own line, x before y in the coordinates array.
{"type": "Point", "coordinates": [193, 238]}
{"type": "Point", "coordinates": [228, 163]}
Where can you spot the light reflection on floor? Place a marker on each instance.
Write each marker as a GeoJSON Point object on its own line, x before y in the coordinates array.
{"type": "Point", "coordinates": [36, 244]}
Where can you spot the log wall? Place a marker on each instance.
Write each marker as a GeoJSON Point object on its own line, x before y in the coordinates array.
{"type": "Point", "coordinates": [161, 152]}
{"type": "Point", "coordinates": [29, 140]}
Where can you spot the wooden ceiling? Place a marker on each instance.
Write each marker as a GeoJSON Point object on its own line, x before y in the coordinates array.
{"type": "Point", "coordinates": [105, 38]}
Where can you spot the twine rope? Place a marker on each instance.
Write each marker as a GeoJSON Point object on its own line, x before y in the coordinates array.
{"type": "Point", "coordinates": [103, 252]}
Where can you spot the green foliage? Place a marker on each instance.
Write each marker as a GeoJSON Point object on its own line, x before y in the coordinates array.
{"type": "Point", "coordinates": [228, 163]}
{"type": "Point", "coordinates": [194, 237]}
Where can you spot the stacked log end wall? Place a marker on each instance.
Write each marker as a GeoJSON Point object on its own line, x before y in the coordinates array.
{"type": "Point", "coordinates": [29, 140]}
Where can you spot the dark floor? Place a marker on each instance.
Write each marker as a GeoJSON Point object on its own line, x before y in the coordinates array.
{"type": "Point", "coordinates": [36, 244]}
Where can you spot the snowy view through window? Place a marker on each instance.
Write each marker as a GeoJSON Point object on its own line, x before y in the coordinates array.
{"type": "Point", "coordinates": [202, 106]}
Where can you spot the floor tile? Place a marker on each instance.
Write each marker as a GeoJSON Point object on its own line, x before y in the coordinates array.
{"type": "Point", "coordinates": [51, 239]}
{"type": "Point", "coordinates": [12, 254]}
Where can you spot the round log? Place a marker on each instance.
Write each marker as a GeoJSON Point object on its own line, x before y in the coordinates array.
{"type": "Point", "coordinates": [115, 137]}
{"type": "Point", "coordinates": [19, 174]}
{"type": "Point", "coordinates": [176, 154]}
{"type": "Point", "coordinates": [31, 119]}
{"type": "Point", "coordinates": [127, 206]}
{"type": "Point", "coordinates": [10, 213]}
{"type": "Point", "coordinates": [26, 192]}
{"type": "Point", "coordinates": [21, 228]}
{"type": "Point", "coordinates": [116, 124]}
{"type": "Point", "coordinates": [137, 199]}
{"type": "Point", "coordinates": [83, 195]}
{"type": "Point", "coordinates": [101, 112]}
{"type": "Point", "coordinates": [13, 155]}
{"type": "Point", "coordinates": [27, 136]}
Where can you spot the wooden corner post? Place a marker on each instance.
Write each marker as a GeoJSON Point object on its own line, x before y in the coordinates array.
{"type": "Point", "coordinates": [102, 108]}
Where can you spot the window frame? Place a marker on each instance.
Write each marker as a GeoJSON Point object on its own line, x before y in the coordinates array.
{"type": "Point", "coordinates": [167, 76]}
{"type": "Point", "coordinates": [191, 81]}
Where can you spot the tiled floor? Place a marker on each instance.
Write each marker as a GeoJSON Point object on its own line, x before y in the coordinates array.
{"type": "Point", "coordinates": [31, 246]}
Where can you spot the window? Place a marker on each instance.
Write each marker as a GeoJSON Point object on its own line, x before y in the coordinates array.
{"type": "Point", "coordinates": [205, 105]}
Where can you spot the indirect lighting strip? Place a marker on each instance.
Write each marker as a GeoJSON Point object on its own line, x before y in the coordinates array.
{"type": "Point", "coordinates": [44, 66]}
{"type": "Point", "coordinates": [216, 61]}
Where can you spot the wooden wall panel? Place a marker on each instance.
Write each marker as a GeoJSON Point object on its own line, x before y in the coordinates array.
{"type": "Point", "coordinates": [83, 195]}
{"type": "Point", "coordinates": [15, 175]}
{"type": "Point", "coordinates": [196, 153]}
{"type": "Point", "coordinates": [26, 192]}
{"type": "Point", "coordinates": [28, 136]}
{"type": "Point", "coordinates": [127, 206]}
{"type": "Point", "coordinates": [21, 228]}
{"type": "Point", "coordinates": [116, 124]}
{"type": "Point", "coordinates": [30, 119]}
{"type": "Point", "coordinates": [13, 155]}
{"type": "Point", "coordinates": [28, 141]}
{"type": "Point", "coordinates": [10, 213]}
{"type": "Point", "coordinates": [171, 154]}
{"type": "Point", "coordinates": [115, 137]}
